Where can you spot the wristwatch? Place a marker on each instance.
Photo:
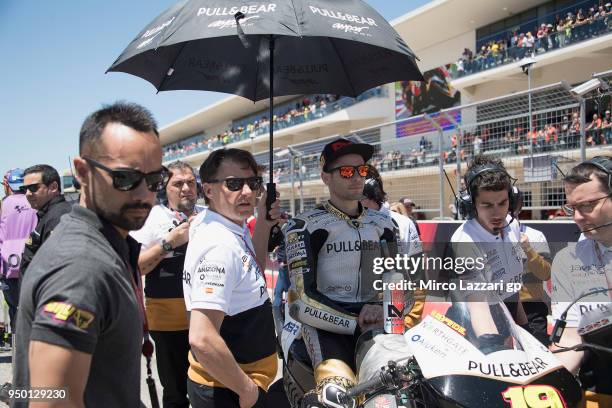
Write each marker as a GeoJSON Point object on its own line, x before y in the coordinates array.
{"type": "Point", "coordinates": [166, 246]}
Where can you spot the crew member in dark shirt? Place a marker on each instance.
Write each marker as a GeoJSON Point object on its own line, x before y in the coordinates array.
{"type": "Point", "coordinates": [43, 190]}
{"type": "Point", "coordinates": [80, 323]}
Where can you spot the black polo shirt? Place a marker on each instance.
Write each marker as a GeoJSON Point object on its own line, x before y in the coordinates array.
{"type": "Point", "coordinates": [48, 218]}
{"type": "Point", "coordinates": [78, 294]}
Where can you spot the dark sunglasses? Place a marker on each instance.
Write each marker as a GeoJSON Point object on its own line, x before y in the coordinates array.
{"type": "Point", "coordinates": [237, 183]}
{"type": "Point", "coordinates": [129, 179]}
{"type": "Point", "coordinates": [32, 188]}
{"type": "Point", "coordinates": [349, 171]}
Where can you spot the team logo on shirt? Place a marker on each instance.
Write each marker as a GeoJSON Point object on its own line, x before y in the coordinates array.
{"type": "Point", "coordinates": [63, 312]}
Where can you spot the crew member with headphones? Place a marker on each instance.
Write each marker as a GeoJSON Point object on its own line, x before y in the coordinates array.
{"type": "Point", "coordinates": [582, 267]}
{"type": "Point", "coordinates": [488, 204]}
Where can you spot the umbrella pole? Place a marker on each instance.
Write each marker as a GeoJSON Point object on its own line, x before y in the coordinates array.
{"type": "Point", "coordinates": [271, 187]}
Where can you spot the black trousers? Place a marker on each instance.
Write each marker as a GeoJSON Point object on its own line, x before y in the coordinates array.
{"type": "Point", "coordinates": [536, 321]}
{"type": "Point", "coordinates": [203, 396]}
{"type": "Point", "coordinates": [11, 295]}
{"type": "Point", "coordinates": [171, 349]}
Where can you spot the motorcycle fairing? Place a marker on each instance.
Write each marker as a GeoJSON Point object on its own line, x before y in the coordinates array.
{"type": "Point", "coordinates": [442, 351]}
{"type": "Point", "coordinates": [471, 391]}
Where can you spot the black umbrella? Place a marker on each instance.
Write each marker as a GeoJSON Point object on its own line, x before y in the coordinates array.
{"type": "Point", "coordinates": [314, 46]}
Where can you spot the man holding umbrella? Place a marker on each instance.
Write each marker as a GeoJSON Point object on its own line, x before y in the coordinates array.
{"type": "Point", "coordinates": [231, 331]}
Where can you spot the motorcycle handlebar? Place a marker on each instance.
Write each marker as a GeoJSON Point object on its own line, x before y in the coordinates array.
{"type": "Point", "coordinates": [377, 382]}
{"type": "Point", "coordinates": [582, 346]}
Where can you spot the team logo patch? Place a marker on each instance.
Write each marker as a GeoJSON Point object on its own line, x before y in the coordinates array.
{"type": "Point", "coordinates": [66, 313]}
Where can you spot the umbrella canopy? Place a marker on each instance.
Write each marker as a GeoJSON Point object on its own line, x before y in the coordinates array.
{"type": "Point", "coordinates": [320, 46]}
{"type": "Point", "coordinates": [314, 46]}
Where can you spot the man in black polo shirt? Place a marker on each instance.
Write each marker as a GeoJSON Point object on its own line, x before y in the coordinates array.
{"type": "Point", "coordinates": [43, 189]}
{"type": "Point", "coordinates": [80, 324]}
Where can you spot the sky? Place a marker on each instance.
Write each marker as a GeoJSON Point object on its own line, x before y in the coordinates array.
{"type": "Point", "coordinates": [54, 55]}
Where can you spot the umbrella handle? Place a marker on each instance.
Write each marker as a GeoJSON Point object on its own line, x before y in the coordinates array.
{"type": "Point", "coordinates": [270, 198]}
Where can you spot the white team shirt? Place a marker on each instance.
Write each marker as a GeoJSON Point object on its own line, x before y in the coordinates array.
{"type": "Point", "coordinates": [221, 270]}
{"type": "Point", "coordinates": [577, 269]}
{"type": "Point", "coordinates": [408, 233]}
{"type": "Point", "coordinates": [160, 222]}
{"type": "Point", "coordinates": [504, 256]}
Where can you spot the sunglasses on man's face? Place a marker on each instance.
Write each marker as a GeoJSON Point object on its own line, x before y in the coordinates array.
{"type": "Point", "coordinates": [237, 183]}
{"type": "Point", "coordinates": [349, 171]}
{"type": "Point", "coordinates": [129, 179]}
{"type": "Point", "coordinates": [32, 188]}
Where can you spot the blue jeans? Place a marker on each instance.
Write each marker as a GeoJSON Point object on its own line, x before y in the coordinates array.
{"type": "Point", "coordinates": [282, 285]}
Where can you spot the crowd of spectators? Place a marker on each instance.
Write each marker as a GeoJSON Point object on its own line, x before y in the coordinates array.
{"type": "Point", "coordinates": [309, 108]}
{"type": "Point", "coordinates": [563, 135]}
{"type": "Point", "coordinates": [514, 140]}
{"type": "Point", "coordinates": [555, 33]}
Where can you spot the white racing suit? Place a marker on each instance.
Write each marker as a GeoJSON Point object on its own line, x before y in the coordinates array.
{"type": "Point", "coordinates": [330, 257]}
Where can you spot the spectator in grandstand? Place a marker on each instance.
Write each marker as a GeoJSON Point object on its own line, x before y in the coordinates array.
{"type": "Point", "coordinates": [43, 189]}
{"type": "Point", "coordinates": [17, 221]}
{"type": "Point", "coordinates": [593, 131]}
{"type": "Point", "coordinates": [574, 131]}
{"type": "Point", "coordinates": [606, 128]}
{"type": "Point", "coordinates": [477, 145]}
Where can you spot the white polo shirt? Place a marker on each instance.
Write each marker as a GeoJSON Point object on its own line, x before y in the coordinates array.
{"type": "Point", "coordinates": [409, 237]}
{"type": "Point", "coordinates": [578, 268]}
{"type": "Point", "coordinates": [503, 252]}
{"type": "Point", "coordinates": [221, 270]}
{"type": "Point", "coordinates": [160, 222]}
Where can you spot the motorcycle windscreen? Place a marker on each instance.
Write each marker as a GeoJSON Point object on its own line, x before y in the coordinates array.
{"type": "Point", "coordinates": [478, 340]}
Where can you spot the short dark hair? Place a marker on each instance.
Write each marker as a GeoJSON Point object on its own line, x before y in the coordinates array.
{"type": "Point", "coordinates": [180, 166]}
{"type": "Point", "coordinates": [582, 174]}
{"type": "Point", "coordinates": [489, 180]}
{"type": "Point", "coordinates": [49, 174]}
{"type": "Point", "coordinates": [128, 114]}
{"type": "Point", "coordinates": [208, 169]}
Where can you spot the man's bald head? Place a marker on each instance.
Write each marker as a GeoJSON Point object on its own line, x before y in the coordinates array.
{"type": "Point", "coordinates": [128, 114]}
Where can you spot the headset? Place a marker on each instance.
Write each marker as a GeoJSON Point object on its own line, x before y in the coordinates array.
{"type": "Point", "coordinates": [373, 191]}
{"type": "Point", "coordinates": [464, 200]}
{"type": "Point", "coordinates": [603, 163]}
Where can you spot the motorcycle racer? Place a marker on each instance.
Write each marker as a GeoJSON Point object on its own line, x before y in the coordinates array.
{"type": "Point", "coordinates": [330, 254]}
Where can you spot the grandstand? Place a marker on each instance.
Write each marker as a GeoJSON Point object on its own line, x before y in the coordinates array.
{"type": "Point", "coordinates": [471, 102]}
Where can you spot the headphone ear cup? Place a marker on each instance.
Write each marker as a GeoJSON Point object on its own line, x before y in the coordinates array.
{"type": "Point", "coordinates": [464, 205]}
{"type": "Point", "coordinates": [512, 199]}
{"type": "Point", "coordinates": [200, 190]}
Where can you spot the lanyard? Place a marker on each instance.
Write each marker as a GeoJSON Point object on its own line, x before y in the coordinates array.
{"type": "Point", "coordinates": [147, 345]}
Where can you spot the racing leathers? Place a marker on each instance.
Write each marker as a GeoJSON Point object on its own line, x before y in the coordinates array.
{"type": "Point", "coordinates": [330, 257]}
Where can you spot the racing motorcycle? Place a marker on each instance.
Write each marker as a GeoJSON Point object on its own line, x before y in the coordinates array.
{"type": "Point", "coordinates": [595, 329]}
{"type": "Point", "coordinates": [450, 359]}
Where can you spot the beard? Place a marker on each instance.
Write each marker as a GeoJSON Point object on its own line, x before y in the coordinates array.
{"type": "Point", "coordinates": [123, 220]}
{"type": "Point", "coordinates": [186, 205]}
